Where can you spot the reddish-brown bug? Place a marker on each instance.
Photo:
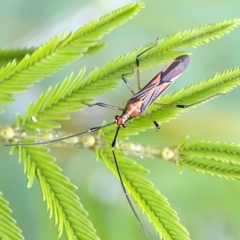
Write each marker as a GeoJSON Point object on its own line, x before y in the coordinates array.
{"type": "Point", "coordinates": [137, 105]}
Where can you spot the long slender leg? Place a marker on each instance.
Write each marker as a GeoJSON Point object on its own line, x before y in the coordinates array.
{"type": "Point", "coordinates": [127, 83]}
{"type": "Point", "coordinates": [152, 119]}
{"type": "Point", "coordinates": [138, 63]}
{"type": "Point", "coordinates": [100, 104]}
{"type": "Point", "coordinates": [94, 129]}
{"type": "Point", "coordinates": [178, 106]}
{"type": "Point", "coordinates": [187, 105]}
{"type": "Point", "coordinates": [121, 181]}
{"type": "Point", "coordinates": [138, 70]}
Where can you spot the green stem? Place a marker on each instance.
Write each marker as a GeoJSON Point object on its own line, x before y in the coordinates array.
{"type": "Point", "coordinates": [89, 141]}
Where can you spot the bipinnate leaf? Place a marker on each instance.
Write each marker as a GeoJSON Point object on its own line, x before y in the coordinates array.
{"type": "Point", "coordinates": [53, 105]}
{"type": "Point", "coordinates": [58, 192]}
{"type": "Point", "coordinates": [102, 80]}
{"type": "Point", "coordinates": [8, 227]}
{"type": "Point", "coordinates": [149, 199]}
{"type": "Point", "coordinates": [8, 55]}
{"type": "Point", "coordinates": [204, 34]}
{"type": "Point", "coordinates": [58, 52]}
{"type": "Point", "coordinates": [220, 159]}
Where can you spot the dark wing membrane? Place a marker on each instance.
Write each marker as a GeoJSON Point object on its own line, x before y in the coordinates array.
{"type": "Point", "coordinates": [175, 68]}
{"type": "Point", "coordinates": [161, 82]}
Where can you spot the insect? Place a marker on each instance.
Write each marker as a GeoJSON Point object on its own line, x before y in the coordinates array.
{"type": "Point", "coordinates": [137, 105]}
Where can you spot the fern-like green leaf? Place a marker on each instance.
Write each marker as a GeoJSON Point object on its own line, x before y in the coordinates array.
{"type": "Point", "coordinates": [8, 228]}
{"type": "Point", "coordinates": [148, 198]}
{"type": "Point", "coordinates": [8, 55]}
{"type": "Point", "coordinates": [214, 158]}
{"type": "Point", "coordinates": [60, 51]}
{"type": "Point", "coordinates": [53, 104]}
{"type": "Point", "coordinates": [102, 80]}
{"type": "Point", "coordinates": [58, 192]}
{"type": "Point", "coordinates": [204, 34]}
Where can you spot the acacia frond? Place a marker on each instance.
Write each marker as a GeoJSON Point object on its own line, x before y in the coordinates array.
{"type": "Point", "coordinates": [53, 105]}
{"type": "Point", "coordinates": [58, 192]}
{"type": "Point", "coordinates": [8, 55]}
{"type": "Point", "coordinates": [218, 159]}
{"type": "Point", "coordinates": [59, 51]}
{"type": "Point", "coordinates": [201, 35]}
{"type": "Point", "coordinates": [148, 198]}
{"type": "Point", "coordinates": [102, 80]}
{"type": "Point", "coordinates": [8, 228]}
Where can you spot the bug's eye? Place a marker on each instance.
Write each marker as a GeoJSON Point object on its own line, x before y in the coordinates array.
{"type": "Point", "coordinates": [116, 117]}
{"type": "Point", "coordinates": [124, 125]}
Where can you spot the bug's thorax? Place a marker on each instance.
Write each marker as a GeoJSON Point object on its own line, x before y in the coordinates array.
{"type": "Point", "coordinates": [132, 109]}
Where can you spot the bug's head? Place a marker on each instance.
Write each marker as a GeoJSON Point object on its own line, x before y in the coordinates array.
{"type": "Point", "coordinates": [121, 121]}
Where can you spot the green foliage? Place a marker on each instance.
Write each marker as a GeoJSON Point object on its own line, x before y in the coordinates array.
{"type": "Point", "coordinates": [214, 158]}
{"type": "Point", "coordinates": [69, 96]}
{"type": "Point", "coordinates": [8, 228]}
{"type": "Point", "coordinates": [58, 52]}
{"type": "Point", "coordinates": [9, 55]}
{"type": "Point", "coordinates": [53, 105]}
{"type": "Point", "coordinates": [149, 199]}
{"type": "Point", "coordinates": [57, 190]}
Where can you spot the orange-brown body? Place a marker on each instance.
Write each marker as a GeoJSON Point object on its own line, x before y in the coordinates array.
{"type": "Point", "coordinates": [132, 109]}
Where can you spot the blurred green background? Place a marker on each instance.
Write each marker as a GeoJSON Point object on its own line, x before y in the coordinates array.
{"type": "Point", "coordinates": [208, 207]}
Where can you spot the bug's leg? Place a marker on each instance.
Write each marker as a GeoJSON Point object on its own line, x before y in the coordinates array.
{"type": "Point", "coordinates": [138, 70]}
{"type": "Point", "coordinates": [188, 105]}
{"type": "Point", "coordinates": [94, 129]}
{"type": "Point", "coordinates": [100, 104]}
{"type": "Point", "coordinates": [121, 180]}
{"type": "Point", "coordinates": [152, 119]}
{"type": "Point", "coordinates": [138, 63]}
{"type": "Point", "coordinates": [203, 100]}
{"type": "Point", "coordinates": [126, 81]}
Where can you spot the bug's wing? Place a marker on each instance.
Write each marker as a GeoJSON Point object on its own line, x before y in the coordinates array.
{"type": "Point", "coordinates": [161, 82]}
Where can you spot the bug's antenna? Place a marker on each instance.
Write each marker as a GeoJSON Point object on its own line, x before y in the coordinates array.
{"type": "Point", "coordinates": [94, 129]}
{"type": "Point", "coordinates": [121, 181]}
